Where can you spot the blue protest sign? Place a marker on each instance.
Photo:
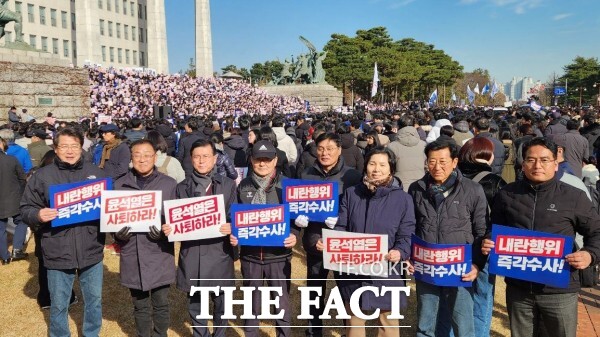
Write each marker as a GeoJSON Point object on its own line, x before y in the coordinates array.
{"type": "Point", "coordinates": [531, 256]}
{"type": "Point", "coordinates": [441, 264]}
{"type": "Point", "coordinates": [260, 225]}
{"type": "Point", "coordinates": [77, 202]}
{"type": "Point", "coordinates": [318, 200]}
{"type": "Point", "coordinates": [559, 91]}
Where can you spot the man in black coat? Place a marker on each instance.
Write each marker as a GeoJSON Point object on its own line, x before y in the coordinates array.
{"type": "Point", "coordinates": [208, 261]}
{"type": "Point", "coordinates": [482, 129]}
{"type": "Point", "coordinates": [329, 166]}
{"type": "Point", "coordinates": [541, 202]}
{"type": "Point", "coordinates": [192, 134]}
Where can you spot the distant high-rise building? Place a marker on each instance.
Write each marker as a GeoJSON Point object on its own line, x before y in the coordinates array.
{"type": "Point", "coordinates": [119, 33]}
{"type": "Point", "coordinates": [520, 88]}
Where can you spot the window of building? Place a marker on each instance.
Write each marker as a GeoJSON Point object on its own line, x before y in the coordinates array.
{"type": "Point", "coordinates": [142, 59]}
{"type": "Point", "coordinates": [66, 48]}
{"type": "Point", "coordinates": [116, 6]}
{"type": "Point", "coordinates": [120, 55]}
{"type": "Point", "coordinates": [55, 46]}
{"type": "Point", "coordinates": [30, 14]}
{"type": "Point", "coordinates": [44, 43]}
{"type": "Point", "coordinates": [18, 6]}
{"type": "Point", "coordinates": [73, 23]}
{"type": "Point", "coordinates": [112, 54]}
{"type": "Point", "coordinates": [140, 12]}
{"type": "Point", "coordinates": [126, 32]}
{"type": "Point", "coordinates": [125, 7]}
{"type": "Point", "coordinates": [100, 4]}
{"type": "Point", "coordinates": [101, 27]}
{"type": "Point", "coordinates": [63, 19]}
{"type": "Point", "coordinates": [108, 6]}
{"type": "Point", "coordinates": [118, 27]}
{"type": "Point", "coordinates": [53, 17]}
{"type": "Point", "coordinates": [145, 12]}
{"type": "Point", "coordinates": [132, 7]}
{"type": "Point", "coordinates": [103, 53]}
{"type": "Point", "coordinates": [127, 56]}
{"type": "Point", "coordinates": [42, 15]}
{"type": "Point", "coordinates": [134, 58]}
{"type": "Point", "coordinates": [32, 40]}
{"type": "Point", "coordinates": [133, 34]}
{"type": "Point", "coordinates": [141, 35]}
{"type": "Point", "coordinates": [110, 28]}
{"type": "Point", "coordinates": [74, 50]}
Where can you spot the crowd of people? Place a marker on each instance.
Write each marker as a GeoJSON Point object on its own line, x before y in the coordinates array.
{"type": "Point", "coordinates": [129, 93]}
{"type": "Point", "coordinates": [443, 174]}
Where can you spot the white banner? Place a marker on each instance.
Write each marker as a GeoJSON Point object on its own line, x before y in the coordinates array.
{"type": "Point", "coordinates": [136, 209]}
{"type": "Point", "coordinates": [355, 253]}
{"type": "Point", "coordinates": [195, 218]}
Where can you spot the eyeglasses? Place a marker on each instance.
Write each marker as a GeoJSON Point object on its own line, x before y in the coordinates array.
{"type": "Point", "coordinates": [442, 163]}
{"type": "Point", "coordinates": [542, 161]}
{"type": "Point", "coordinates": [138, 156]}
{"type": "Point", "coordinates": [64, 147]}
{"type": "Point", "coordinates": [326, 149]}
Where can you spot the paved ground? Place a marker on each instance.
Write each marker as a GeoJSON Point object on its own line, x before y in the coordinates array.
{"type": "Point", "coordinates": [589, 312]}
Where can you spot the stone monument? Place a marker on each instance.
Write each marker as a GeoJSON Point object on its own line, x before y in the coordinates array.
{"type": "Point", "coordinates": [204, 61]}
{"type": "Point", "coordinates": [305, 78]}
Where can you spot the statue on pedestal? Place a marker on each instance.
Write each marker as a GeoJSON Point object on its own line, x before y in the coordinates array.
{"type": "Point", "coordinates": [7, 16]}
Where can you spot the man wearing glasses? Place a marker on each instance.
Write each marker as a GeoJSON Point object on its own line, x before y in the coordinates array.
{"type": "Point", "coordinates": [68, 250]}
{"type": "Point", "coordinates": [542, 203]}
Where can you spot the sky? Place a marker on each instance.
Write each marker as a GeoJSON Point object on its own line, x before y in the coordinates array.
{"type": "Point", "coordinates": [509, 38]}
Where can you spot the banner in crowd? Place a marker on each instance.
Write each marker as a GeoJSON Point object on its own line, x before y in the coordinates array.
{"type": "Point", "coordinates": [242, 173]}
{"type": "Point", "coordinates": [355, 253]}
{"type": "Point", "coordinates": [77, 202]}
{"type": "Point", "coordinates": [260, 225]}
{"type": "Point", "coordinates": [318, 200]}
{"type": "Point", "coordinates": [195, 218]}
{"type": "Point", "coordinates": [136, 209]}
{"type": "Point", "coordinates": [441, 264]}
{"type": "Point", "coordinates": [531, 256]}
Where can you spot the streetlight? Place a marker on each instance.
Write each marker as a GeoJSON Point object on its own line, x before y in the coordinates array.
{"type": "Point", "coordinates": [597, 84]}
{"type": "Point", "coordinates": [581, 90]}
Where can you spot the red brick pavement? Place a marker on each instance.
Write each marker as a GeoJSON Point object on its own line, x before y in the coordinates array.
{"type": "Point", "coordinates": [588, 313]}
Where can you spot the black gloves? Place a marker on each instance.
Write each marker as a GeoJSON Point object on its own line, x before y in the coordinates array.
{"type": "Point", "coordinates": [123, 234]}
{"type": "Point", "coordinates": [155, 233]}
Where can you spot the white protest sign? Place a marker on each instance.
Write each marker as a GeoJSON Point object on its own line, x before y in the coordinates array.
{"type": "Point", "coordinates": [195, 218]}
{"type": "Point", "coordinates": [136, 209]}
{"type": "Point", "coordinates": [355, 253]}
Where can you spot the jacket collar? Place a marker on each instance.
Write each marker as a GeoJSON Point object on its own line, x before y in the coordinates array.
{"type": "Point", "coordinates": [216, 178]}
{"type": "Point", "coordinates": [545, 186]}
{"type": "Point", "coordinates": [335, 170]}
{"type": "Point", "coordinates": [66, 166]}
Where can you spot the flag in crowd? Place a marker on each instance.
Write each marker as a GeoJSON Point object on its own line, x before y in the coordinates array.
{"type": "Point", "coordinates": [470, 94]}
{"type": "Point", "coordinates": [486, 89]}
{"type": "Point", "coordinates": [476, 90]}
{"type": "Point", "coordinates": [375, 81]}
{"type": "Point", "coordinates": [433, 98]}
{"type": "Point", "coordinates": [495, 90]}
{"type": "Point", "coordinates": [453, 97]}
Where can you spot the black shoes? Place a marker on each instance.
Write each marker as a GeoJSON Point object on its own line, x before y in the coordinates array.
{"type": "Point", "coordinates": [18, 254]}
{"type": "Point", "coordinates": [7, 261]}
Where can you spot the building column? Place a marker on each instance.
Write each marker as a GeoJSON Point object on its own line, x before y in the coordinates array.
{"type": "Point", "coordinates": [158, 56]}
{"type": "Point", "coordinates": [87, 33]}
{"type": "Point", "coordinates": [204, 63]}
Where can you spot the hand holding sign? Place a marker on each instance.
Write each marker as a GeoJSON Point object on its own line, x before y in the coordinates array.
{"type": "Point", "coordinates": [301, 221]}
{"type": "Point", "coordinates": [580, 259]}
{"type": "Point", "coordinates": [166, 228]}
{"type": "Point", "coordinates": [290, 241]}
{"type": "Point", "coordinates": [225, 229]}
{"type": "Point", "coordinates": [472, 275]}
{"type": "Point", "coordinates": [393, 255]}
{"type": "Point", "coordinates": [47, 214]}
{"type": "Point", "coordinates": [486, 246]}
{"type": "Point", "coordinates": [233, 240]}
{"type": "Point", "coordinates": [320, 245]}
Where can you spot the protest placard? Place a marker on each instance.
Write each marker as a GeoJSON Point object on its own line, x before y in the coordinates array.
{"type": "Point", "coordinates": [260, 225]}
{"type": "Point", "coordinates": [195, 218]}
{"type": "Point", "coordinates": [441, 264]}
{"type": "Point", "coordinates": [355, 253]}
{"type": "Point", "coordinates": [318, 200]}
{"type": "Point", "coordinates": [136, 209]}
{"type": "Point", "coordinates": [77, 202]}
{"type": "Point", "coordinates": [531, 256]}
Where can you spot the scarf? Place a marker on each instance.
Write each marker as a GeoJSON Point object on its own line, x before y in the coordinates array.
{"type": "Point", "coordinates": [373, 184]}
{"type": "Point", "coordinates": [108, 147]}
{"type": "Point", "coordinates": [437, 193]}
{"type": "Point", "coordinates": [264, 184]}
{"type": "Point", "coordinates": [201, 183]}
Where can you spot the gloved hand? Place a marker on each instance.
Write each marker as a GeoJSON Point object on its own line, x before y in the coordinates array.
{"type": "Point", "coordinates": [155, 233]}
{"type": "Point", "coordinates": [123, 234]}
{"type": "Point", "coordinates": [301, 221]}
{"type": "Point", "coordinates": [331, 221]}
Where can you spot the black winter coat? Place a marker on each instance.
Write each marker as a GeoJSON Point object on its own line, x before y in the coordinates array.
{"type": "Point", "coordinates": [307, 158]}
{"type": "Point", "coordinates": [491, 183]}
{"type": "Point", "coordinates": [207, 258]}
{"type": "Point", "coordinates": [462, 218]}
{"type": "Point", "coordinates": [346, 177]}
{"type": "Point", "coordinates": [551, 207]}
{"type": "Point", "coordinates": [145, 263]}
{"type": "Point", "coordinates": [13, 181]}
{"type": "Point", "coordinates": [499, 152]}
{"type": "Point", "coordinates": [183, 151]}
{"type": "Point", "coordinates": [236, 147]}
{"type": "Point", "coordinates": [258, 254]}
{"type": "Point", "coordinates": [353, 157]}
{"type": "Point", "coordinates": [66, 247]}
{"type": "Point", "coordinates": [117, 164]}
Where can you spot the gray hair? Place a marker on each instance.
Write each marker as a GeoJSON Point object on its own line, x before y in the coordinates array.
{"type": "Point", "coordinates": [8, 135]}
